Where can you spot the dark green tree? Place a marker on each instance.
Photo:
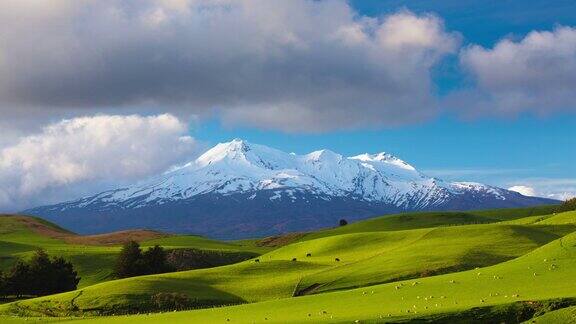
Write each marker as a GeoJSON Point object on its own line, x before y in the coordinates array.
{"type": "Point", "coordinates": [2, 284]}
{"type": "Point", "coordinates": [568, 205]}
{"type": "Point", "coordinates": [130, 262]}
{"type": "Point", "coordinates": [66, 277]}
{"type": "Point", "coordinates": [51, 275]}
{"type": "Point", "coordinates": [155, 260]}
{"type": "Point", "coordinates": [43, 274]}
{"type": "Point", "coordinates": [343, 222]}
{"type": "Point", "coordinates": [18, 280]}
{"type": "Point", "coordinates": [39, 277]}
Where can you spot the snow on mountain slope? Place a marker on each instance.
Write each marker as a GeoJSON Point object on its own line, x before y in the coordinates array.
{"type": "Point", "coordinates": [238, 178]}
{"type": "Point", "coordinates": [239, 166]}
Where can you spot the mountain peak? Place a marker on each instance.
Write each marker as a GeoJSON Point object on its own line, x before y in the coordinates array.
{"type": "Point", "coordinates": [235, 149]}
{"type": "Point", "coordinates": [238, 181]}
{"type": "Point", "coordinates": [239, 151]}
{"type": "Point", "coordinates": [237, 144]}
{"type": "Point", "coordinates": [384, 157]}
{"type": "Point", "coordinates": [323, 155]}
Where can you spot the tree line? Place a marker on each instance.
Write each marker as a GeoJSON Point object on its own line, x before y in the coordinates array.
{"type": "Point", "coordinates": [40, 276]}
{"type": "Point", "coordinates": [568, 205]}
{"type": "Point", "coordinates": [133, 262]}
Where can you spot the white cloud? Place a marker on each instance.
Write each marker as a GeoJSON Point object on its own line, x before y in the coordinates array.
{"type": "Point", "coordinates": [298, 65]}
{"type": "Point", "coordinates": [515, 179]}
{"type": "Point", "coordinates": [78, 153]}
{"type": "Point", "coordinates": [536, 74]}
{"type": "Point", "coordinates": [524, 190]}
{"type": "Point", "coordinates": [554, 188]}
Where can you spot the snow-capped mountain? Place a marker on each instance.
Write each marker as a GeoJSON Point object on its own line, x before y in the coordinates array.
{"type": "Point", "coordinates": [238, 189]}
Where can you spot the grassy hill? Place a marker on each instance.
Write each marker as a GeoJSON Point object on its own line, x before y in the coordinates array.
{"type": "Point", "coordinates": [433, 266]}
{"type": "Point", "coordinates": [564, 315]}
{"type": "Point", "coordinates": [93, 256]}
{"type": "Point", "coordinates": [494, 291]}
{"type": "Point", "coordinates": [415, 220]}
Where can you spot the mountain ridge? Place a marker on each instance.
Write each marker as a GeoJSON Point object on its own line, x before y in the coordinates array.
{"type": "Point", "coordinates": [238, 189]}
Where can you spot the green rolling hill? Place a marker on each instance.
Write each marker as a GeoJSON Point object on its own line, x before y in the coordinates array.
{"type": "Point", "coordinates": [92, 256]}
{"type": "Point", "coordinates": [432, 266]}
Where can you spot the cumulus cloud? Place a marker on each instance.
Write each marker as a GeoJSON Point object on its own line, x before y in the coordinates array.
{"type": "Point", "coordinates": [553, 188]}
{"type": "Point", "coordinates": [535, 74]}
{"type": "Point", "coordinates": [524, 190]}
{"type": "Point", "coordinates": [298, 65]}
{"type": "Point", "coordinates": [76, 154]}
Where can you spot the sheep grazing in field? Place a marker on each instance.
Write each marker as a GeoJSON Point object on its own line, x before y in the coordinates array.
{"type": "Point", "coordinates": [308, 254]}
{"type": "Point", "coordinates": [293, 259]}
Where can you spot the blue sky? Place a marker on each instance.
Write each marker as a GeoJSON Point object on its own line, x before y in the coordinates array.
{"type": "Point", "coordinates": [499, 151]}
{"type": "Point", "coordinates": [470, 90]}
{"type": "Point", "coordinates": [520, 148]}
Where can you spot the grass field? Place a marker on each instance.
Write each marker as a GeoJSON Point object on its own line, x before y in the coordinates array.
{"type": "Point", "coordinates": [564, 315]}
{"type": "Point", "coordinates": [21, 236]}
{"type": "Point", "coordinates": [447, 267]}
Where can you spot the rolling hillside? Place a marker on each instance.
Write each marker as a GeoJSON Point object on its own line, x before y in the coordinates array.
{"type": "Point", "coordinates": [377, 253]}
{"type": "Point", "coordinates": [94, 255]}
{"type": "Point", "coordinates": [494, 293]}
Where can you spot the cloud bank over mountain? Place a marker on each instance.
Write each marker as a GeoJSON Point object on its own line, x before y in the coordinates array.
{"type": "Point", "coordinates": [76, 155]}
{"type": "Point", "coordinates": [289, 65]}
